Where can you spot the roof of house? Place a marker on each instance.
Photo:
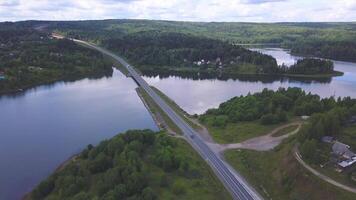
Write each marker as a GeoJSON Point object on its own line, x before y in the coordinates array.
{"type": "Point", "coordinates": [328, 139]}
{"type": "Point", "coordinates": [347, 163]}
{"type": "Point", "coordinates": [342, 149]}
{"type": "Point", "coordinates": [339, 147]}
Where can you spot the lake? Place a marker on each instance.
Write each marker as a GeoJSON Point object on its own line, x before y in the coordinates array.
{"type": "Point", "coordinates": [44, 126]}
{"type": "Point", "coordinates": [196, 96]}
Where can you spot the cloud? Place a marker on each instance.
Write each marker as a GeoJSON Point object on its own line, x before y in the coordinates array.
{"type": "Point", "coordinates": [261, 1]}
{"type": "Point", "coordinates": [9, 3]}
{"type": "Point", "coordinates": [187, 10]}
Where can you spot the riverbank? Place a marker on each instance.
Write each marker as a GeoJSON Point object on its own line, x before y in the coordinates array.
{"type": "Point", "coordinates": [23, 87]}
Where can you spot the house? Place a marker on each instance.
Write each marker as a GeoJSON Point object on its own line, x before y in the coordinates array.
{"type": "Point", "coordinates": [305, 117]}
{"type": "Point", "coordinates": [327, 139]}
{"type": "Point", "coordinates": [343, 150]}
{"type": "Point", "coordinates": [2, 75]}
{"type": "Point", "coordinates": [352, 120]}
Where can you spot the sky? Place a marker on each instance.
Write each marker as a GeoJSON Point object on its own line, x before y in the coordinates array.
{"type": "Point", "coordinates": [181, 10]}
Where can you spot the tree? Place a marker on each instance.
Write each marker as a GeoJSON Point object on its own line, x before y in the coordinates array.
{"type": "Point", "coordinates": [178, 188]}
{"type": "Point", "coordinates": [148, 194]}
{"type": "Point", "coordinates": [308, 149]}
{"type": "Point", "coordinates": [220, 121]}
{"type": "Point", "coordinates": [268, 119]}
{"type": "Point", "coordinates": [43, 189]}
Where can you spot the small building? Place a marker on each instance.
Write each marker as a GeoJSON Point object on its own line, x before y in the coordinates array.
{"type": "Point", "coordinates": [343, 150]}
{"type": "Point", "coordinates": [2, 75]}
{"type": "Point", "coordinates": [347, 163]}
{"type": "Point", "coordinates": [352, 120]}
{"type": "Point", "coordinates": [305, 117]}
{"type": "Point", "coordinates": [328, 139]}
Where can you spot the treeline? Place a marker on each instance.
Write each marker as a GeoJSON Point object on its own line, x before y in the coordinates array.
{"type": "Point", "coordinates": [155, 48]}
{"type": "Point", "coordinates": [29, 57]}
{"type": "Point", "coordinates": [327, 40]}
{"type": "Point", "coordinates": [268, 106]}
{"type": "Point", "coordinates": [134, 165]}
{"type": "Point", "coordinates": [338, 50]}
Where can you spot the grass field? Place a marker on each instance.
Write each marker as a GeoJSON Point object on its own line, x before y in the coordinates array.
{"type": "Point", "coordinates": [240, 131]}
{"type": "Point", "coordinates": [278, 176]}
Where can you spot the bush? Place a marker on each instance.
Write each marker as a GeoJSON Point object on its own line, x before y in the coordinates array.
{"type": "Point", "coordinates": [178, 188]}
{"type": "Point", "coordinates": [220, 121]}
{"type": "Point", "coordinates": [269, 119]}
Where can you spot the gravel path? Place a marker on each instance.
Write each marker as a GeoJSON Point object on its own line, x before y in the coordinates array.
{"type": "Point", "coordinates": [261, 143]}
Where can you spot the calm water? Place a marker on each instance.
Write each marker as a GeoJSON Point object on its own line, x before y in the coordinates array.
{"type": "Point", "coordinates": [44, 126]}
{"type": "Point", "coordinates": [196, 96]}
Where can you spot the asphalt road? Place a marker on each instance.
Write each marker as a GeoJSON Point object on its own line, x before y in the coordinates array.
{"type": "Point", "coordinates": [235, 184]}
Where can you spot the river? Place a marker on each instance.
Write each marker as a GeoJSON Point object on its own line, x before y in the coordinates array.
{"type": "Point", "coordinates": [43, 126]}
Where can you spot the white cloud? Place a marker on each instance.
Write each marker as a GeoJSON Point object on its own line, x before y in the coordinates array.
{"type": "Point", "coordinates": [198, 10]}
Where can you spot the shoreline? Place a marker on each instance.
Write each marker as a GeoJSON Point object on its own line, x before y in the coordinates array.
{"type": "Point", "coordinates": [59, 168]}
{"type": "Point", "coordinates": [64, 79]}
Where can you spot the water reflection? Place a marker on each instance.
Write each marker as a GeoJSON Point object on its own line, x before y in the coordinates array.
{"type": "Point", "coordinates": [224, 77]}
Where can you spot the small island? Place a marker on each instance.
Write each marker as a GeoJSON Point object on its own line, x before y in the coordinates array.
{"type": "Point", "coordinates": [311, 67]}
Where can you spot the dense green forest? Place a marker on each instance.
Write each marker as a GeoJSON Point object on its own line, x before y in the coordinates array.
{"type": "Point", "coordinates": [338, 50]}
{"type": "Point", "coordinates": [328, 40]}
{"type": "Point", "coordinates": [156, 50]}
{"type": "Point", "coordinates": [29, 57]}
{"type": "Point", "coordinates": [135, 165]}
{"type": "Point", "coordinates": [196, 48]}
{"type": "Point", "coordinates": [269, 107]}
{"type": "Point", "coordinates": [167, 51]}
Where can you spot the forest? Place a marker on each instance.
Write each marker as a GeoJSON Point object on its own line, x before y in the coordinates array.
{"type": "Point", "coordinates": [167, 52]}
{"type": "Point", "coordinates": [138, 164]}
{"type": "Point", "coordinates": [177, 50]}
{"type": "Point", "coordinates": [338, 50]}
{"type": "Point", "coordinates": [29, 57]}
{"type": "Point", "coordinates": [204, 48]}
{"type": "Point", "coordinates": [326, 40]}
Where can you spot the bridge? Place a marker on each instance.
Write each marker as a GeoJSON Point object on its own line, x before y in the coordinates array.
{"type": "Point", "coordinates": [234, 183]}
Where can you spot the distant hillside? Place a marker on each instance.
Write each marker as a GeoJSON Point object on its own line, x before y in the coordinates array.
{"type": "Point", "coordinates": [318, 39]}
